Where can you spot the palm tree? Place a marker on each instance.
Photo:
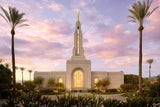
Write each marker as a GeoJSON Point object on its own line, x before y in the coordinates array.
{"type": "Point", "coordinates": [30, 71]}
{"type": "Point", "coordinates": [14, 19]}
{"type": "Point", "coordinates": [140, 11]}
{"type": "Point", "coordinates": [150, 61]}
{"type": "Point", "coordinates": [22, 69]}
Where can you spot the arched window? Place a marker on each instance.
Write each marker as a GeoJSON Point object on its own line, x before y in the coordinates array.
{"type": "Point", "coordinates": [96, 80]}
{"type": "Point", "coordinates": [78, 79]}
{"type": "Point", "coordinates": [60, 80]}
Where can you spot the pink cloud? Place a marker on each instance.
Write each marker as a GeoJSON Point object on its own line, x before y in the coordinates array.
{"type": "Point", "coordinates": [82, 3]}
{"type": "Point", "coordinates": [55, 6]}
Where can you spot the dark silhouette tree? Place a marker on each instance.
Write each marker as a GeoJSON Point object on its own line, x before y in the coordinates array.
{"type": "Point", "coordinates": [30, 71]}
{"type": "Point", "coordinates": [22, 69]}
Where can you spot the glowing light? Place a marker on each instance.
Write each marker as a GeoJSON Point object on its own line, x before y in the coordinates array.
{"type": "Point", "coordinates": [78, 79]}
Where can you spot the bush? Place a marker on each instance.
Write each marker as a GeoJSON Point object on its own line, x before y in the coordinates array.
{"type": "Point", "coordinates": [112, 103]}
{"type": "Point", "coordinates": [141, 102]}
{"type": "Point", "coordinates": [111, 90]}
{"type": "Point", "coordinates": [5, 94]}
{"type": "Point", "coordinates": [33, 99]}
{"type": "Point", "coordinates": [19, 86]}
{"type": "Point", "coordinates": [46, 90]}
{"type": "Point", "coordinates": [154, 90]}
{"type": "Point", "coordinates": [28, 86]}
{"type": "Point", "coordinates": [5, 78]}
{"type": "Point", "coordinates": [92, 90]}
{"type": "Point", "coordinates": [131, 79]}
{"type": "Point", "coordinates": [129, 87]}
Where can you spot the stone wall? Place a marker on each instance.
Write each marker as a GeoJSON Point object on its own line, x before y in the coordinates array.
{"type": "Point", "coordinates": [115, 78]}
{"type": "Point", "coordinates": [54, 74]}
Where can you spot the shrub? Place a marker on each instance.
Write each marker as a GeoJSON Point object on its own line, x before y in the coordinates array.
{"type": "Point", "coordinates": [5, 77]}
{"type": "Point", "coordinates": [111, 90]}
{"type": "Point", "coordinates": [19, 86]}
{"type": "Point", "coordinates": [38, 81]}
{"type": "Point", "coordinates": [28, 86]}
{"type": "Point", "coordinates": [131, 79]}
{"type": "Point", "coordinates": [112, 103]}
{"type": "Point", "coordinates": [96, 101]}
{"type": "Point", "coordinates": [141, 102]}
{"type": "Point", "coordinates": [5, 94]}
{"type": "Point", "coordinates": [92, 90]}
{"type": "Point", "coordinates": [128, 87]}
{"type": "Point", "coordinates": [154, 90]}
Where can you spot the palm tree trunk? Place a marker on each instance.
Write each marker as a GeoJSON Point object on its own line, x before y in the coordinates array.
{"type": "Point", "coordinates": [149, 72]}
{"type": "Point", "coordinates": [30, 76]}
{"type": "Point", "coordinates": [140, 59]}
{"type": "Point", "coordinates": [22, 77]}
{"type": "Point", "coordinates": [13, 63]}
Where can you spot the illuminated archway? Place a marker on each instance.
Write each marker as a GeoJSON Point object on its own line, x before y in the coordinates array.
{"type": "Point", "coordinates": [60, 80]}
{"type": "Point", "coordinates": [78, 78]}
{"type": "Point", "coordinates": [96, 80]}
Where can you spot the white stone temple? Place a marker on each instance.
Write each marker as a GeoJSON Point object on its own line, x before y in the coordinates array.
{"type": "Point", "coordinates": [78, 74]}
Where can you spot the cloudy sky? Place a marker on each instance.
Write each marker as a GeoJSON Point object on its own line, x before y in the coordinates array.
{"type": "Point", "coordinates": [110, 41]}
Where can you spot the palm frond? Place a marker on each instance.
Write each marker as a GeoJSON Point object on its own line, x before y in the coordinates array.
{"type": "Point", "coordinates": [140, 10]}
{"type": "Point", "coordinates": [4, 18]}
{"type": "Point", "coordinates": [132, 21]}
{"type": "Point", "coordinates": [153, 10]}
{"type": "Point", "coordinates": [6, 14]}
{"type": "Point", "coordinates": [13, 17]}
{"type": "Point", "coordinates": [23, 25]}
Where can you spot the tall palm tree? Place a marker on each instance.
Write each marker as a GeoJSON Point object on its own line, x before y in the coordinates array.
{"type": "Point", "coordinates": [30, 71]}
{"type": "Point", "coordinates": [150, 61]}
{"type": "Point", "coordinates": [14, 19]}
{"type": "Point", "coordinates": [22, 69]}
{"type": "Point", "coordinates": [140, 11]}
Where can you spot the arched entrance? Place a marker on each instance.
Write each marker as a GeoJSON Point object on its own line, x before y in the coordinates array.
{"type": "Point", "coordinates": [78, 79]}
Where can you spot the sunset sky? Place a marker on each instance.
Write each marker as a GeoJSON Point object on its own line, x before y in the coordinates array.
{"type": "Point", "coordinates": [110, 41]}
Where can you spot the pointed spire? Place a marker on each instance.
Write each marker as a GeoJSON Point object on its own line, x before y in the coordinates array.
{"type": "Point", "coordinates": [78, 16]}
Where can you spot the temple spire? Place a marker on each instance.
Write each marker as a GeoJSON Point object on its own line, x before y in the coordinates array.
{"type": "Point", "coordinates": [78, 51]}
{"type": "Point", "coordinates": [78, 16]}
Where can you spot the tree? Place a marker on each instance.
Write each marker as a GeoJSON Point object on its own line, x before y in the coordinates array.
{"type": "Point", "coordinates": [98, 85]}
{"type": "Point", "coordinates": [102, 83]}
{"type": "Point", "coordinates": [150, 61]}
{"type": "Point", "coordinates": [131, 79]}
{"type": "Point", "coordinates": [38, 81]}
{"type": "Point", "coordinates": [140, 11]}
{"type": "Point", "coordinates": [28, 86]}
{"type": "Point", "coordinates": [51, 82]}
{"type": "Point", "coordinates": [22, 69]}
{"type": "Point", "coordinates": [5, 77]}
{"type": "Point", "coordinates": [105, 83]}
{"type": "Point", "coordinates": [30, 71]}
{"type": "Point", "coordinates": [158, 78]}
{"type": "Point", "coordinates": [14, 19]}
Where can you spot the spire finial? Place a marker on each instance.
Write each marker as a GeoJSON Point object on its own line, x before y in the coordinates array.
{"type": "Point", "coordinates": [78, 16]}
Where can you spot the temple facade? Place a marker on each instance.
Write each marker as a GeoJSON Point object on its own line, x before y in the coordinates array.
{"type": "Point", "coordinates": [78, 74]}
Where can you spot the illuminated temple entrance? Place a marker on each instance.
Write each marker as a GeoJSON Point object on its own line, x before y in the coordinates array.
{"type": "Point", "coordinates": [78, 79]}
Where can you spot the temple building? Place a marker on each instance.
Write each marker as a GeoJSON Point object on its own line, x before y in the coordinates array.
{"type": "Point", "coordinates": [78, 74]}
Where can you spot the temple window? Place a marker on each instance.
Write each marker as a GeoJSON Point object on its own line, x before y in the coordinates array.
{"type": "Point", "coordinates": [60, 80]}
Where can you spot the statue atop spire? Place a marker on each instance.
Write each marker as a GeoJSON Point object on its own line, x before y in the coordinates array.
{"type": "Point", "coordinates": [78, 16]}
